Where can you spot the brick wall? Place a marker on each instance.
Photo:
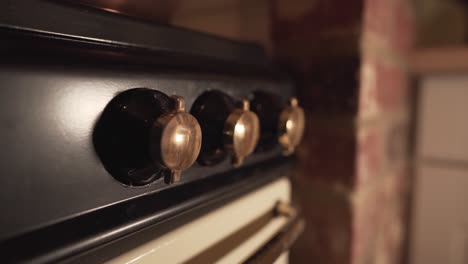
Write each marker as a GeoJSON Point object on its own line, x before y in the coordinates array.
{"type": "Point", "coordinates": [382, 171]}
{"type": "Point", "coordinates": [350, 63]}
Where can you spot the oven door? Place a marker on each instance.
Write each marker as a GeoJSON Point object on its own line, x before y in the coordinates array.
{"type": "Point", "coordinates": [256, 228]}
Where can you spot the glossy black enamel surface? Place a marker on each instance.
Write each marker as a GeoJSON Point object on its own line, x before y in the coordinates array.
{"type": "Point", "coordinates": [62, 20]}
{"type": "Point", "coordinates": [48, 114]}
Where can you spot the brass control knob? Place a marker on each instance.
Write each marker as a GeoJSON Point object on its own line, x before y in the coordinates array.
{"type": "Point", "coordinates": [280, 123]}
{"type": "Point", "coordinates": [241, 133]}
{"type": "Point", "coordinates": [176, 140]}
{"type": "Point", "coordinates": [144, 135]}
{"type": "Point", "coordinates": [291, 126]}
{"type": "Point", "coordinates": [228, 126]}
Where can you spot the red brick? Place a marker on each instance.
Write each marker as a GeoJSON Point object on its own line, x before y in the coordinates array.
{"type": "Point", "coordinates": [379, 220]}
{"type": "Point", "coordinates": [381, 147]}
{"type": "Point", "coordinates": [392, 86]}
{"type": "Point", "coordinates": [370, 157]}
{"type": "Point", "coordinates": [393, 22]}
{"type": "Point", "coordinates": [384, 88]}
{"type": "Point", "coordinates": [397, 143]}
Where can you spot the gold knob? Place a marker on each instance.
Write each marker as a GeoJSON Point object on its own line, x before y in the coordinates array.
{"type": "Point", "coordinates": [291, 126]}
{"type": "Point", "coordinates": [241, 133]}
{"type": "Point", "coordinates": [177, 140]}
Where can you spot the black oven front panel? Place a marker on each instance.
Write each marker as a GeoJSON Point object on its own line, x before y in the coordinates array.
{"type": "Point", "coordinates": [51, 167]}
{"type": "Point", "coordinates": [81, 105]}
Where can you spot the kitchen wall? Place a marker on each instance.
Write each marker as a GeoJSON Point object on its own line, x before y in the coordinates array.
{"type": "Point", "coordinates": [350, 60]}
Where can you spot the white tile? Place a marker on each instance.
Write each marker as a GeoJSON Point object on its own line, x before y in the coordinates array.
{"type": "Point", "coordinates": [439, 232]}
{"type": "Point", "coordinates": [443, 118]}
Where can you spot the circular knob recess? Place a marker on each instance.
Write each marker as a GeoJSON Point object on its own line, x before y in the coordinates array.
{"type": "Point", "coordinates": [144, 134]}
{"type": "Point", "coordinates": [279, 122]}
{"type": "Point", "coordinates": [229, 128]}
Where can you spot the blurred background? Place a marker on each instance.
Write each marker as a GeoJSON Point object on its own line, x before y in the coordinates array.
{"type": "Point", "coordinates": [383, 166]}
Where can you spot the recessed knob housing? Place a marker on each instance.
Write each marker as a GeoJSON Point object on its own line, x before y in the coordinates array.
{"type": "Point", "coordinates": [145, 134]}
{"type": "Point", "coordinates": [229, 128]}
{"type": "Point", "coordinates": [280, 123]}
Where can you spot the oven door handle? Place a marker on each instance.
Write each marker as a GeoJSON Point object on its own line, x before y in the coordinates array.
{"type": "Point", "coordinates": [283, 240]}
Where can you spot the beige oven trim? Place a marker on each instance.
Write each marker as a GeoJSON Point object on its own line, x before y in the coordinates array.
{"type": "Point", "coordinates": [188, 241]}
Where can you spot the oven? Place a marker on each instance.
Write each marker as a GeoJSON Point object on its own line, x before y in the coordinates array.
{"type": "Point", "coordinates": [124, 141]}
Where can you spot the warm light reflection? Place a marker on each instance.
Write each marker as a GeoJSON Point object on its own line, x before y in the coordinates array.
{"type": "Point", "coordinates": [289, 125]}
{"type": "Point", "coordinates": [153, 10]}
{"type": "Point", "coordinates": [240, 130]}
{"type": "Point", "coordinates": [112, 10]}
{"type": "Point", "coordinates": [179, 138]}
{"type": "Point", "coordinates": [78, 105]}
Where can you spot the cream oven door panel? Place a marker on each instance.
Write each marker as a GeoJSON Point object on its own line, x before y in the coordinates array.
{"type": "Point", "coordinates": [229, 234]}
